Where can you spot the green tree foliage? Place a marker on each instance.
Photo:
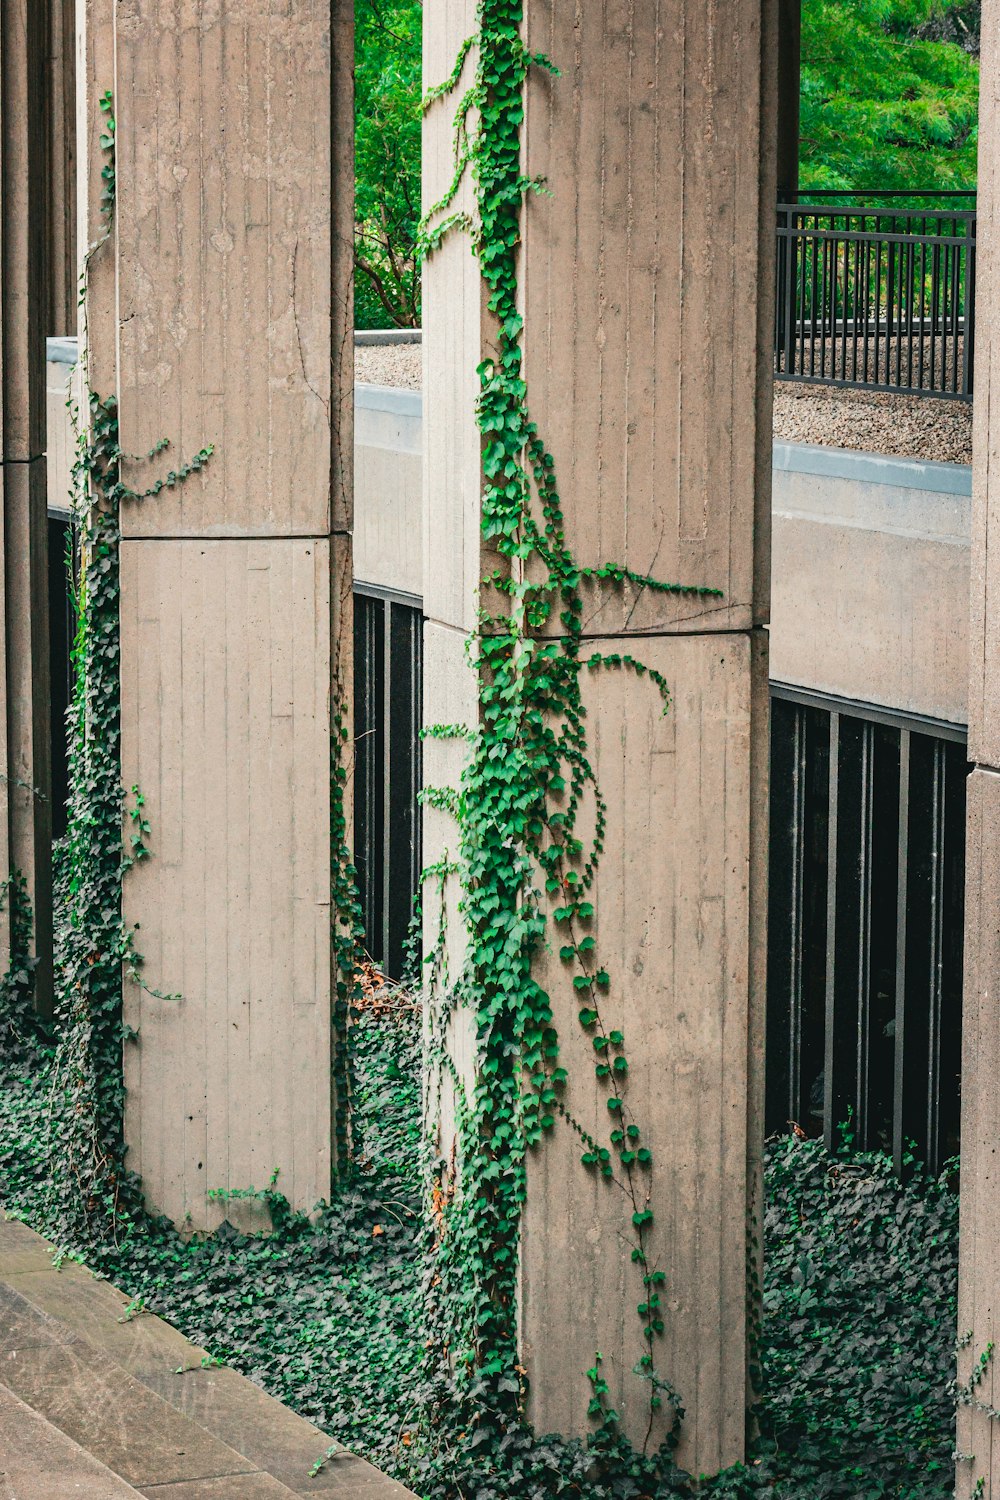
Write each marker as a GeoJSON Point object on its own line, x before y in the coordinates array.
{"type": "Point", "coordinates": [886, 103]}
{"type": "Point", "coordinates": [387, 147]}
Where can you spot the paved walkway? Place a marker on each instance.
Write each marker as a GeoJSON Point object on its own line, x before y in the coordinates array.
{"type": "Point", "coordinates": [94, 1408]}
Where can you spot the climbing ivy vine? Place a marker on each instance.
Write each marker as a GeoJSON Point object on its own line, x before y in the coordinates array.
{"type": "Point", "coordinates": [525, 793]}
{"type": "Point", "coordinates": [94, 945]}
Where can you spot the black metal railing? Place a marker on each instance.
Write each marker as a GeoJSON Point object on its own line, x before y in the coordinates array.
{"type": "Point", "coordinates": [878, 295]}
{"type": "Point", "coordinates": [388, 676]}
{"type": "Point", "coordinates": [866, 892]}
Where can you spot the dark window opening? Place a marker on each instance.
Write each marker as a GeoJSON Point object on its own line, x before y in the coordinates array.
{"type": "Point", "coordinates": [388, 712]}
{"type": "Point", "coordinates": [866, 909]}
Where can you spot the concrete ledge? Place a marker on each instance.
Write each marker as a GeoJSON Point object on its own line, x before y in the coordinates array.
{"type": "Point", "coordinates": [872, 468]}
{"type": "Point", "coordinates": [390, 399]}
{"type": "Point", "coordinates": [382, 337]}
{"type": "Point", "coordinates": [61, 351]}
{"type": "Point", "coordinates": [870, 578]}
{"type": "Point", "coordinates": [135, 1395]}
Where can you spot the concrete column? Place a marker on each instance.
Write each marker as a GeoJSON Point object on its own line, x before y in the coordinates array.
{"type": "Point", "coordinates": [646, 287]}
{"type": "Point", "coordinates": [26, 789]}
{"type": "Point", "coordinates": [230, 325]}
{"type": "Point", "coordinates": [979, 1244]}
{"type": "Point", "coordinates": [60, 135]}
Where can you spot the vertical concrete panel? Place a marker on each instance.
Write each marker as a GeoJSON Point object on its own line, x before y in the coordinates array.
{"type": "Point", "coordinates": [95, 234]}
{"type": "Point", "coordinates": [979, 1264]}
{"type": "Point", "coordinates": [644, 277]}
{"type": "Point", "coordinates": [984, 633]}
{"type": "Point", "coordinates": [224, 168]}
{"type": "Point", "coordinates": [672, 926]}
{"type": "Point", "coordinates": [29, 752]}
{"type": "Point", "coordinates": [60, 135]}
{"type": "Point", "coordinates": [219, 310]}
{"type": "Point", "coordinates": [5, 860]}
{"type": "Point", "coordinates": [22, 80]}
{"type": "Point", "coordinates": [25, 553]}
{"type": "Point", "coordinates": [452, 344]}
{"type": "Point", "coordinates": [226, 650]}
{"type": "Point", "coordinates": [655, 123]}
{"type": "Point", "coordinates": [979, 1269]}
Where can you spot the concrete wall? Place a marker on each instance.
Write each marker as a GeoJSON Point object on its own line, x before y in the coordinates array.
{"type": "Point", "coordinates": [388, 523]}
{"type": "Point", "coordinates": [870, 574]}
{"type": "Point", "coordinates": [870, 578]}
{"type": "Point", "coordinates": [25, 770]}
{"type": "Point", "coordinates": [979, 1222]}
{"type": "Point", "coordinates": [60, 452]}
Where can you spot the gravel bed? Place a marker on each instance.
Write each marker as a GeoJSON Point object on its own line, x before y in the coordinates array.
{"type": "Point", "coordinates": [867, 421]}
{"type": "Point", "coordinates": [389, 364]}
{"type": "Point", "coordinates": [874, 422]}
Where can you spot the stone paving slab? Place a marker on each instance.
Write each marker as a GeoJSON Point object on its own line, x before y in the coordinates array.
{"type": "Point", "coordinates": [38, 1462]}
{"type": "Point", "coordinates": [110, 1378]}
{"type": "Point", "coordinates": [228, 1487]}
{"type": "Point", "coordinates": [129, 1428]}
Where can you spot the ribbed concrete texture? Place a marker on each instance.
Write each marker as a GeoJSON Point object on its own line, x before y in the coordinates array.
{"type": "Point", "coordinates": [61, 168]}
{"type": "Point", "coordinates": [226, 673]}
{"type": "Point", "coordinates": [645, 282]}
{"type": "Point", "coordinates": [102, 1401]}
{"type": "Point", "coordinates": [229, 325]}
{"type": "Point", "coordinates": [24, 690]}
{"type": "Point", "coordinates": [979, 1256]}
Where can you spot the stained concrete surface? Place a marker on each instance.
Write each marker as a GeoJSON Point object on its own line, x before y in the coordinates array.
{"type": "Point", "coordinates": [128, 1397]}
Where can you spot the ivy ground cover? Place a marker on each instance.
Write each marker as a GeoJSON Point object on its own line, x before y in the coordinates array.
{"type": "Point", "coordinates": [328, 1314]}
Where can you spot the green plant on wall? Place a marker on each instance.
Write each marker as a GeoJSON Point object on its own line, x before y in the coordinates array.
{"type": "Point", "coordinates": [527, 855]}
{"type": "Point", "coordinates": [94, 946]}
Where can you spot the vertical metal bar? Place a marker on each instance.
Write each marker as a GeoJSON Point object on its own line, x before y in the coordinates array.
{"type": "Point", "coordinates": [779, 283]}
{"type": "Point", "coordinates": [936, 967]}
{"type": "Point", "coordinates": [969, 339]}
{"type": "Point", "coordinates": [891, 261]}
{"type": "Point", "coordinates": [841, 283]}
{"type": "Point", "coordinates": [956, 271]}
{"type": "Point", "coordinates": [813, 292]}
{"type": "Point", "coordinates": [388, 850]}
{"type": "Point", "coordinates": [857, 304]}
{"type": "Point", "coordinates": [866, 300]}
{"type": "Point", "coordinates": [935, 280]}
{"type": "Point", "coordinates": [803, 246]}
{"type": "Point", "coordinates": [902, 897]}
{"type": "Point", "coordinates": [911, 266]}
{"type": "Point", "coordinates": [819, 271]}
{"type": "Point", "coordinates": [829, 1050]}
{"type": "Point", "coordinates": [923, 292]}
{"type": "Point", "coordinates": [864, 941]}
{"type": "Point", "coordinates": [878, 311]}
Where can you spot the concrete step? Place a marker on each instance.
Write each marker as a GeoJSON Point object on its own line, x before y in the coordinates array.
{"type": "Point", "coordinates": [137, 1395]}
{"type": "Point", "coordinates": [38, 1462]}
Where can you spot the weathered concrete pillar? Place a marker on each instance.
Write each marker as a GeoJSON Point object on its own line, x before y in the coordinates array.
{"type": "Point", "coordinates": [60, 171]}
{"type": "Point", "coordinates": [25, 791]}
{"type": "Point", "coordinates": [646, 289]}
{"type": "Point", "coordinates": [229, 326]}
{"type": "Point", "coordinates": [979, 1244]}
